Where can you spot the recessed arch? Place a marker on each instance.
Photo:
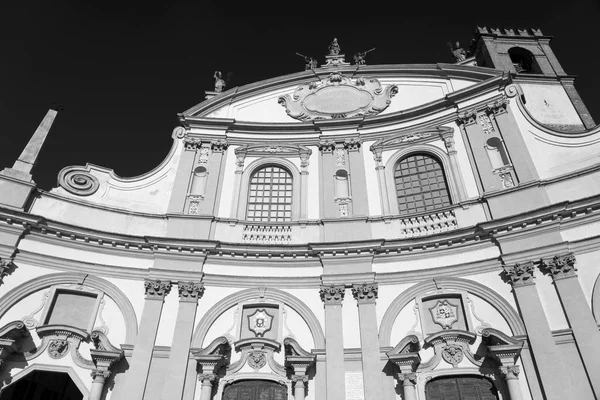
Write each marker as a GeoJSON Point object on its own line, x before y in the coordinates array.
{"type": "Point", "coordinates": [275, 294]}
{"type": "Point", "coordinates": [596, 299]}
{"type": "Point", "coordinates": [18, 293]}
{"type": "Point", "coordinates": [261, 163]}
{"type": "Point", "coordinates": [50, 368]}
{"type": "Point", "coordinates": [452, 178]}
{"type": "Point", "coordinates": [494, 299]}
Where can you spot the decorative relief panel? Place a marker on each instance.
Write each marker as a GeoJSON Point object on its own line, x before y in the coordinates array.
{"type": "Point", "coordinates": [338, 97]}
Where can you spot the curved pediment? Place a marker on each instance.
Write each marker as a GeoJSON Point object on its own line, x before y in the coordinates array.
{"type": "Point", "coordinates": [311, 95]}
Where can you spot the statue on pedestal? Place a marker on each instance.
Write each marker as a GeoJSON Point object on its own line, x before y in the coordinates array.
{"type": "Point", "coordinates": [334, 48]}
{"type": "Point", "coordinates": [458, 52]}
{"type": "Point", "coordinates": [219, 82]}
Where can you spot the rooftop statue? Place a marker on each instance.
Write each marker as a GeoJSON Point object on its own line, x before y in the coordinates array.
{"type": "Point", "coordinates": [361, 58]}
{"type": "Point", "coordinates": [311, 63]}
{"type": "Point", "coordinates": [458, 52]}
{"type": "Point", "coordinates": [219, 82]}
{"type": "Point", "coordinates": [334, 48]}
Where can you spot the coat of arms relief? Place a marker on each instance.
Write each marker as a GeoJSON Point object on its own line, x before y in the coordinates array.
{"type": "Point", "coordinates": [260, 322]}
{"type": "Point", "coordinates": [444, 313]}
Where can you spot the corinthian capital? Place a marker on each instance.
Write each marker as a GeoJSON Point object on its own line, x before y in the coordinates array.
{"type": "Point", "coordinates": [409, 379]}
{"type": "Point", "coordinates": [365, 292]}
{"type": "Point", "coordinates": [510, 372]}
{"type": "Point", "coordinates": [156, 288]}
{"type": "Point", "coordinates": [520, 274]}
{"type": "Point", "coordinates": [560, 266]}
{"type": "Point", "coordinates": [190, 291]}
{"type": "Point", "coordinates": [333, 294]}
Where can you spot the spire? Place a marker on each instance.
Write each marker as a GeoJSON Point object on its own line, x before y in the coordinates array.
{"type": "Point", "coordinates": [26, 161]}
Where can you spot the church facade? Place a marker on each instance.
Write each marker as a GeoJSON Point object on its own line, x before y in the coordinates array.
{"type": "Point", "coordinates": [349, 232]}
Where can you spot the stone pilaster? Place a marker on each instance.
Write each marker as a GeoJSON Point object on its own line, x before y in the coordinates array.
{"type": "Point", "coordinates": [546, 354]}
{"type": "Point", "coordinates": [366, 296]}
{"type": "Point", "coordinates": [409, 382]}
{"type": "Point", "coordinates": [189, 294]}
{"type": "Point", "coordinates": [156, 291]}
{"type": "Point", "coordinates": [357, 178]}
{"type": "Point", "coordinates": [579, 315]}
{"type": "Point", "coordinates": [381, 181]}
{"type": "Point", "coordinates": [207, 382]}
{"type": "Point", "coordinates": [299, 382]}
{"type": "Point", "coordinates": [98, 380]}
{"type": "Point", "coordinates": [333, 296]}
{"type": "Point", "coordinates": [457, 177]}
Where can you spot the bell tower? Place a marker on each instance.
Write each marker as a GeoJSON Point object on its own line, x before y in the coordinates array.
{"type": "Point", "coordinates": [526, 54]}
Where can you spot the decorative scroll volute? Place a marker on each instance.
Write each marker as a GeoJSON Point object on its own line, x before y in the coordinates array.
{"type": "Point", "coordinates": [338, 97]}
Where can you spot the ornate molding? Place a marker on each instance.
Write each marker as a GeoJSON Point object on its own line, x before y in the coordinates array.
{"type": "Point", "coordinates": [352, 144]}
{"type": "Point", "coordinates": [467, 118]}
{"type": "Point", "coordinates": [6, 264]}
{"type": "Point", "coordinates": [561, 266]}
{"type": "Point", "coordinates": [219, 145]}
{"type": "Point", "coordinates": [510, 372]}
{"type": "Point", "coordinates": [207, 377]}
{"type": "Point", "coordinates": [338, 97]}
{"type": "Point", "coordinates": [265, 150]}
{"type": "Point", "coordinates": [78, 181]}
{"type": "Point", "coordinates": [333, 294]}
{"type": "Point", "coordinates": [156, 289]}
{"type": "Point", "coordinates": [453, 354]}
{"type": "Point", "coordinates": [520, 274]}
{"type": "Point", "coordinates": [326, 146]}
{"type": "Point", "coordinates": [190, 291]}
{"type": "Point", "coordinates": [498, 107]}
{"type": "Point", "coordinates": [365, 292]}
{"type": "Point", "coordinates": [408, 379]}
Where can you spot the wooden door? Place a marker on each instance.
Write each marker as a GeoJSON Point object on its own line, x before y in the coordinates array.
{"type": "Point", "coordinates": [461, 388]}
{"type": "Point", "coordinates": [255, 390]}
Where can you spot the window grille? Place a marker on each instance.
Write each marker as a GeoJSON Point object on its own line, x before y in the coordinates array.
{"type": "Point", "coordinates": [420, 184]}
{"type": "Point", "coordinates": [270, 195]}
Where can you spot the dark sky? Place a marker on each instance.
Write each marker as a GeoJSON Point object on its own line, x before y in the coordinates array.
{"type": "Point", "coordinates": [124, 69]}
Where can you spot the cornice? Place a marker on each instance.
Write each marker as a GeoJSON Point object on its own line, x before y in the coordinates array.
{"type": "Point", "coordinates": [564, 214]}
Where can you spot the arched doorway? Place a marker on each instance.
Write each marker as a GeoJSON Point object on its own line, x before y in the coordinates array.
{"type": "Point", "coordinates": [254, 390]}
{"type": "Point", "coordinates": [42, 385]}
{"type": "Point", "coordinates": [461, 388]}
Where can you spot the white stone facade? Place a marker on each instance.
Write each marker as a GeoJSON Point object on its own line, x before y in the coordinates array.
{"type": "Point", "coordinates": [342, 279]}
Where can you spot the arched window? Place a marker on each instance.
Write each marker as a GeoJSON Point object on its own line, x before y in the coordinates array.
{"type": "Point", "coordinates": [420, 184]}
{"type": "Point", "coordinates": [270, 195]}
{"type": "Point", "coordinates": [460, 388]}
{"type": "Point", "coordinates": [523, 61]}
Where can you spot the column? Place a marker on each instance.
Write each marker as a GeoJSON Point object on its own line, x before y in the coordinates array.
{"type": "Point", "coordinates": [327, 168]}
{"type": "Point", "coordinates": [409, 380]}
{"type": "Point", "coordinates": [546, 355]}
{"type": "Point", "coordinates": [99, 378]}
{"type": "Point", "coordinates": [299, 386]}
{"type": "Point", "coordinates": [189, 294]}
{"type": "Point", "coordinates": [581, 320]}
{"type": "Point", "coordinates": [137, 375]}
{"type": "Point", "coordinates": [511, 376]}
{"type": "Point", "coordinates": [448, 138]}
{"type": "Point", "coordinates": [383, 189]}
{"type": "Point", "coordinates": [513, 141]}
{"type": "Point", "coordinates": [333, 296]}
{"type": "Point", "coordinates": [103, 359]}
{"type": "Point", "coordinates": [304, 163]}
{"type": "Point", "coordinates": [184, 169]}
{"type": "Point", "coordinates": [240, 155]}
{"type": "Point", "coordinates": [207, 385]}
{"type": "Point", "coordinates": [358, 178]}
{"type": "Point", "coordinates": [366, 296]}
